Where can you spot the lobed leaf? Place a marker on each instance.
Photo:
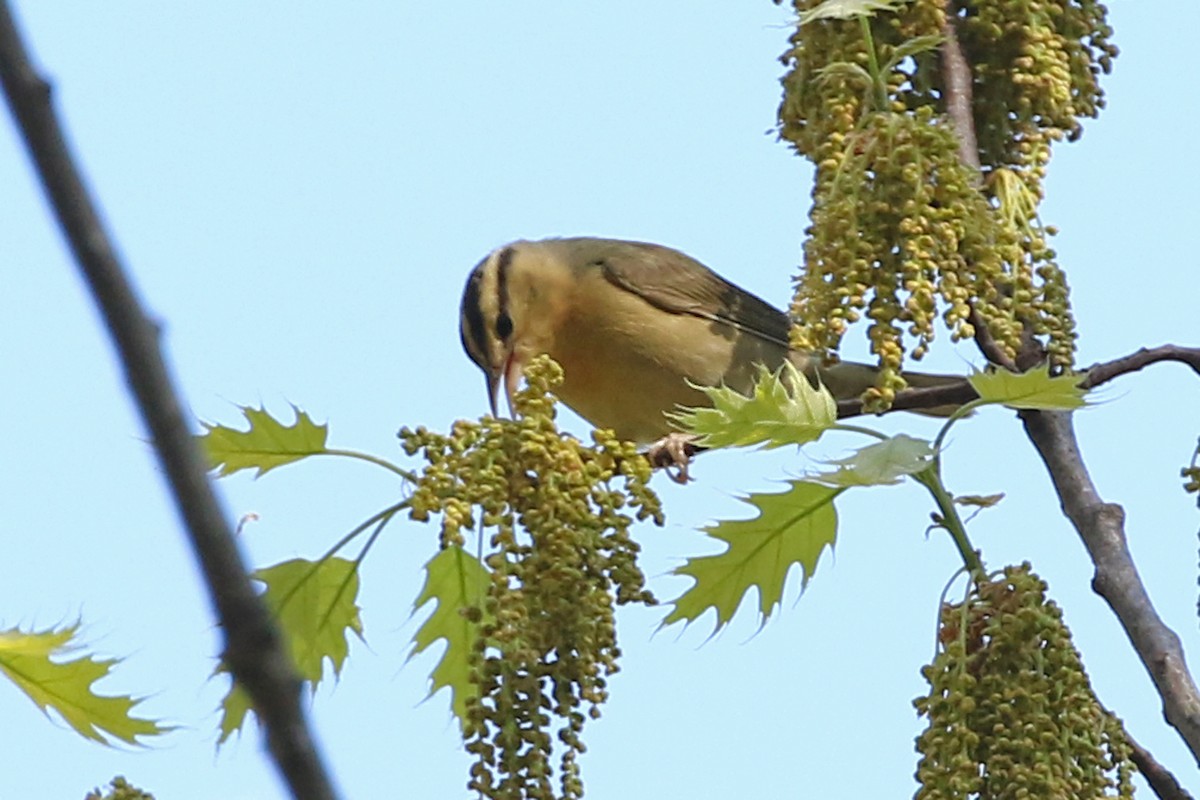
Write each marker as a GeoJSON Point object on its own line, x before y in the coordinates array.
{"type": "Point", "coordinates": [880, 464]}
{"type": "Point", "coordinates": [782, 409]}
{"type": "Point", "coordinates": [457, 581]}
{"type": "Point", "coordinates": [313, 602]}
{"type": "Point", "coordinates": [267, 444]}
{"type": "Point", "coordinates": [28, 660]}
{"type": "Point", "coordinates": [1035, 389]}
{"type": "Point", "coordinates": [845, 9]}
{"type": "Point", "coordinates": [792, 527]}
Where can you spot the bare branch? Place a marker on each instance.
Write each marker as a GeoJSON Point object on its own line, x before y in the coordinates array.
{"type": "Point", "coordinates": [1101, 526]}
{"type": "Point", "coordinates": [954, 394]}
{"type": "Point", "coordinates": [1103, 373]}
{"type": "Point", "coordinates": [254, 649]}
{"type": "Point", "coordinates": [1161, 781]}
{"type": "Point", "coordinates": [957, 80]}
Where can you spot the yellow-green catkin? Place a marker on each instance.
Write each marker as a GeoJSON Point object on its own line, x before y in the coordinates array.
{"type": "Point", "coordinates": [1191, 474]}
{"type": "Point", "coordinates": [1011, 711]}
{"type": "Point", "coordinates": [557, 514]}
{"type": "Point", "coordinates": [902, 232]}
{"type": "Point", "coordinates": [119, 789]}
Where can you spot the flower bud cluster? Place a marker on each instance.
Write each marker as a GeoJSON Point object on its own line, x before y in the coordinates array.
{"type": "Point", "coordinates": [903, 235]}
{"type": "Point", "coordinates": [1011, 711]}
{"type": "Point", "coordinates": [557, 515]}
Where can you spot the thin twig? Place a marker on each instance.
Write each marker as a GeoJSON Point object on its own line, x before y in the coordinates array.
{"type": "Point", "coordinates": [949, 396]}
{"type": "Point", "coordinates": [987, 344]}
{"type": "Point", "coordinates": [1161, 781]}
{"type": "Point", "coordinates": [254, 649]}
{"type": "Point", "coordinates": [1105, 372]}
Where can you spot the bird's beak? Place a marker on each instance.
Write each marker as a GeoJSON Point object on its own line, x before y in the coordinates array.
{"type": "Point", "coordinates": [493, 387]}
{"type": "Point", "coordinates": [512, 379]}
{"type": "Point", "coordinates": [510, 375]}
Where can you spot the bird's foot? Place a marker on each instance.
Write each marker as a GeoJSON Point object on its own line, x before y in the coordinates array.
{"type": "Point", "coordinates": [673, 453]}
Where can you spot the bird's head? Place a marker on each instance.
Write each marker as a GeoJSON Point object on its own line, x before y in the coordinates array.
{"type": "Point", "coordinates": [513, 302]}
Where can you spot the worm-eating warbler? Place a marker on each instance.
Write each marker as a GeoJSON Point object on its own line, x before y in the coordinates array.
{"type": "Point", "coordinates": [632, 325]}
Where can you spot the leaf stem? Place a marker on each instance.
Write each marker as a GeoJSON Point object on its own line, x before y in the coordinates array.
{"type": "Point", "coordinates": [859, 429]}
{"type": "Point", "coordinates": [881, 98]}
{"type": "Point", "coordinates": [962, 412]}
{"type": "Point", "coordinates": [381, 517]}
{"type": "Point", "coordinates": [931, 479]}
{"type": "Point", "coordinates": [381, 462]}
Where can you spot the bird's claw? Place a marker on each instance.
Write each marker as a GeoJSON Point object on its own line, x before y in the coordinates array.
{"type": "Point", "coordinates": [673, 453]}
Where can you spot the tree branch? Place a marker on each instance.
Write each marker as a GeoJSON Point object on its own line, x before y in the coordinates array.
{"type": "Point", "coordinates": [959, 95]}
{"type": "Point", "coordinates": [953, 394]}
{"type": "Point", "coordinates": [254, 650]}
{"type": "Point", "coordinates": [1100, 524]}
{"type": "Point", "coordinates": [1101, 527]}
{"type": "Point", "coordinates": [1103, 373]}
{"type": "Point", "coordinates": [1161, 781]}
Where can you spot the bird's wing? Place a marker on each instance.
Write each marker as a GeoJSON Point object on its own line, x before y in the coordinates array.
{"type": "Point", "coordinates": [674, 282]}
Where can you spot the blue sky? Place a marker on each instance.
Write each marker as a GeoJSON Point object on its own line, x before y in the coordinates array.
{"type": "Point", "coordinates": [300, 192]}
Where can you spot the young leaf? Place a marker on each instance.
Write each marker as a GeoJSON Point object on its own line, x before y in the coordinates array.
{"type": "Point", "coordinates": [234, 707]}
{"type": "Point", "coordinates": [1034, 389]}
{"type": "Point", "coordinates": [880, 464]}
{"type": "Point", "coordinates": [845, 9]}
{"type": "Point", "coordinates": [266, 445]}
{"type": "Point", "coordinates": [27, 659]}
{"type": "Point", "coordinates": [782, 409]}
{"type": "Point", "coordinates": [456, 581]}
{"type": "Point", "coordinates": [313, 603]}
{"type": "Point", "coordinates": [793, 527]}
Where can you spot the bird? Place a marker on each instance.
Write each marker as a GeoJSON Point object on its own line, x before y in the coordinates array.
{"type": "Point", "coordinates": [636, 327]}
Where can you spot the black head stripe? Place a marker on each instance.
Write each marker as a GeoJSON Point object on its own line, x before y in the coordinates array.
{"type": "Point", "coordinates": [503, 319]}
{"type": "Point", "coordinates": [472, 330]}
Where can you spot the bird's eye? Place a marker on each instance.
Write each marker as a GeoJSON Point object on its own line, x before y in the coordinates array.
{"type": "Point", "coordinates": [504, 325]}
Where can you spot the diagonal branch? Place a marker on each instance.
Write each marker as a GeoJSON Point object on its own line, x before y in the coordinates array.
{"type": "Point", "coordinates": [1162, 782]}
{"type": "Point", "coordinates": [254, 649]}
{"type": "Point", "coordinates": [1101, 526]}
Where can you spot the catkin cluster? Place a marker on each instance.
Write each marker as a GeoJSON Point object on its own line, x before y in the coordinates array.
{"type": "Point", "coordinates": [119, 789]}
{"type": "Point", "coordinates": [1037, 65]}
{"type": "Point", "coordinates": [902, 231]}
{"type": "Point", "coordinates": [1011, 711]}
{"type": "Point", "coordinates": [560, 556]}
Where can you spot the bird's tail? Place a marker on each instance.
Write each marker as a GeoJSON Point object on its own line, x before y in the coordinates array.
{"type": "Point", "coordinates": [848, 379]}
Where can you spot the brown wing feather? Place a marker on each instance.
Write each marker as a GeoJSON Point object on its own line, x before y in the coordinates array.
{"type": "Point", "coordinates": [674, 282]}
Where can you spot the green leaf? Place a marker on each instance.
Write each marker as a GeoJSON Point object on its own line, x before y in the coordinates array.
{"type": "Point", "coordinates": [28, 660]}
{"type": "Point", "coordinates": [845, 9]}
{"type": "Point", "coordinates": [793, 527]}
{"type": "Point", "coordinates": [234, 707]}
{"type": "Point", "coordinates": [1034, 389]}
{"type": "Point", "coordinates": [880, 464]}
{"type": "Point", "coordinates": [782, 409]}
{"type": "Point", "coordinates": [266, 445]}
{"type": "Point", "coordinates": [313, 602]}
{"type": "Point", "coordinates": [457, 581]}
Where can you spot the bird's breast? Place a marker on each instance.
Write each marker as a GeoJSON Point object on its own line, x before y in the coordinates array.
{"type": "Point", "coordinates": [627, 363]}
